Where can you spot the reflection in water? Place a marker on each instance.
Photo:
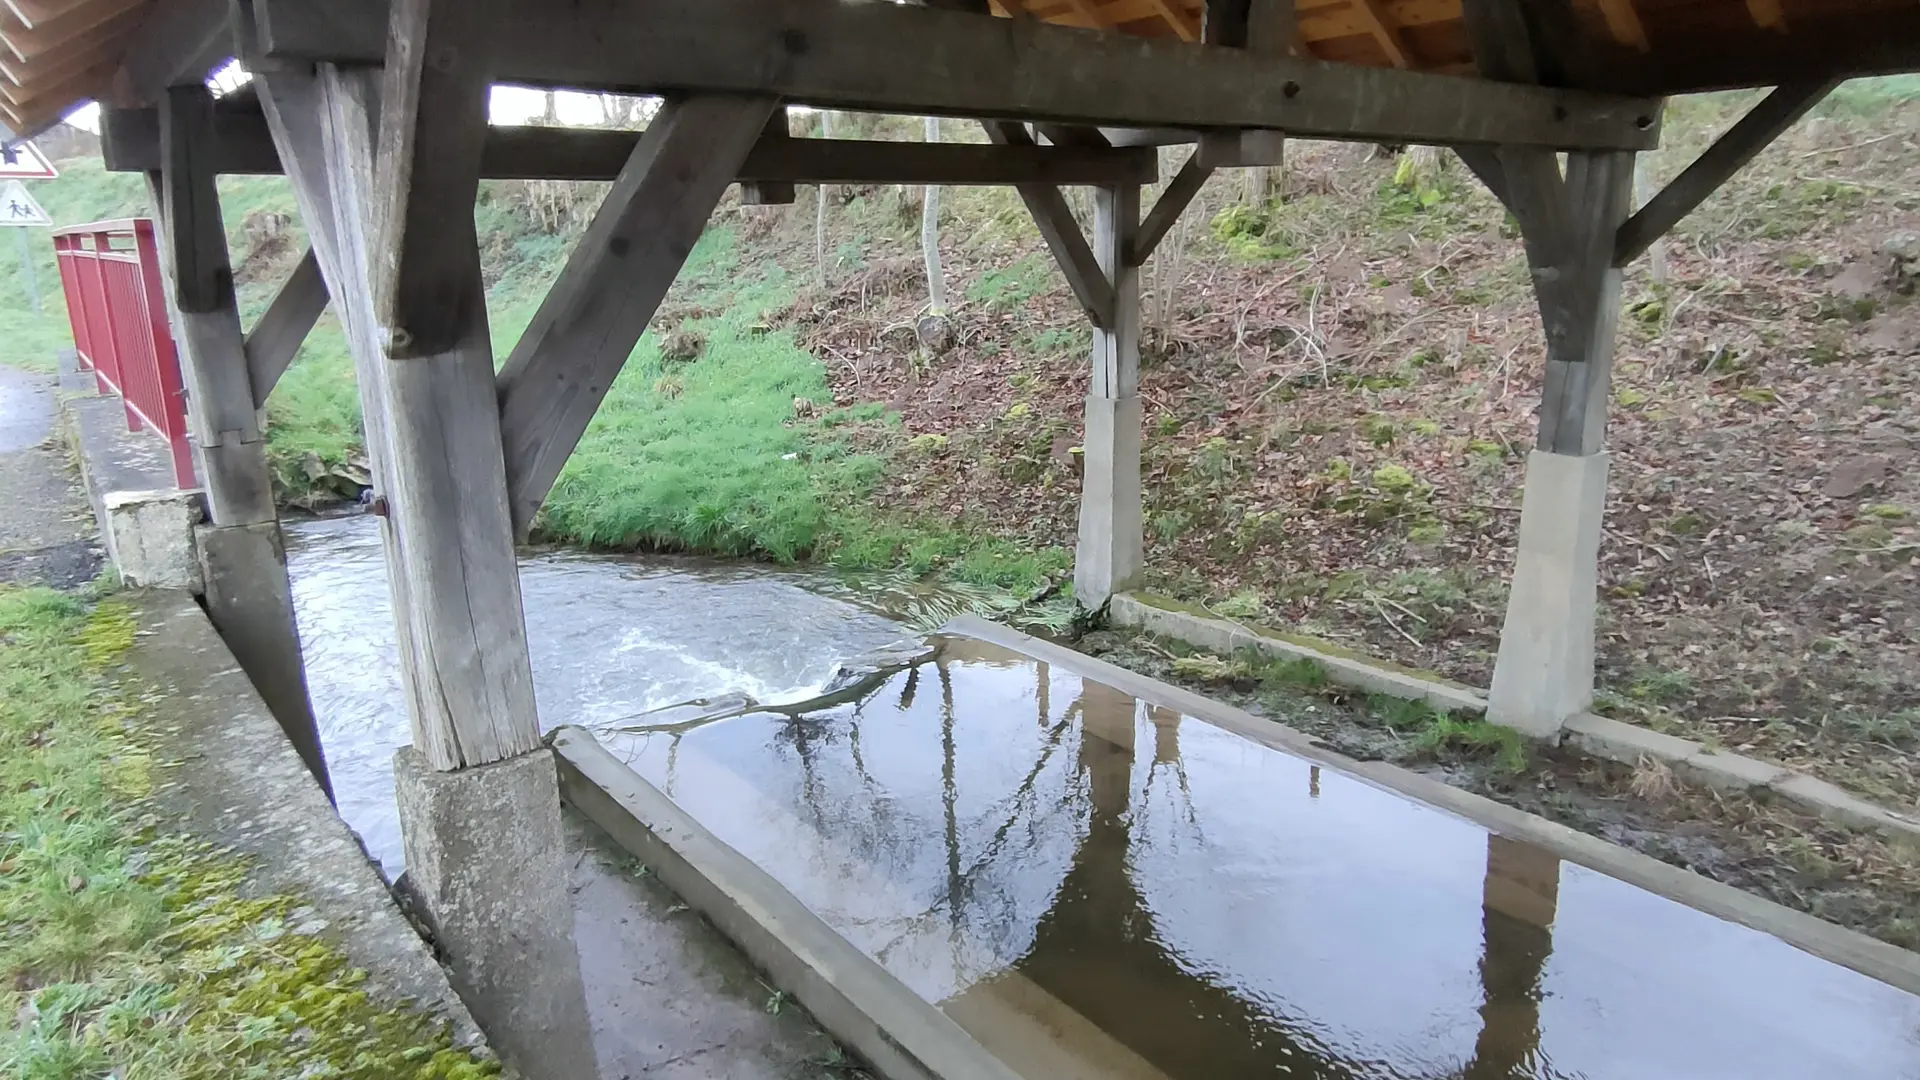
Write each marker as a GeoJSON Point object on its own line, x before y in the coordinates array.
{"type": "Point", "coordinates": [1096, 887]}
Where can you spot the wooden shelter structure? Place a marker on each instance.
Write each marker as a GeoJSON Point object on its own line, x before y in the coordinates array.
{"type": "Point", "coordinates": [377, 112]}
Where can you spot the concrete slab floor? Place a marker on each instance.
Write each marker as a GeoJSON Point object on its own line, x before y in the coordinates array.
{"type": "Point", "coordinates": [668, 996]}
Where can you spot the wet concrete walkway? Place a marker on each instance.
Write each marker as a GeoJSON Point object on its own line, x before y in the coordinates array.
{"type": "Point", "coordinates": [46, 534]}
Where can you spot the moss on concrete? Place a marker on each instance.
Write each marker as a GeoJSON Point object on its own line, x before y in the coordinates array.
{"type": "Point", "coordinates": [128, 950]}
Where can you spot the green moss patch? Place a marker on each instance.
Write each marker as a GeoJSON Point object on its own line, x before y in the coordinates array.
{"type": "Point", "coordinates": [131, 952]}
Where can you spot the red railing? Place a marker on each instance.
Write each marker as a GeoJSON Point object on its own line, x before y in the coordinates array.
{"type": "Point", "coordinates": [110, 272]}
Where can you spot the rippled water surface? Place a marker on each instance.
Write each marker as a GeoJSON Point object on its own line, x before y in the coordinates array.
{"type": "Point", "coordinates": [1096, 886]}
{"type": "Point", "coordinates": [610, 637]}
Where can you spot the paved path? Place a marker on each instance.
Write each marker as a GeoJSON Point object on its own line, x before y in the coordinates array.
{"type": "Point", "coordinates": [46, 530]}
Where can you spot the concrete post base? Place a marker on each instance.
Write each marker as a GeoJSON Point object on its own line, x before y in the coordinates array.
{"type": "Point", "coordinates": [250, 602]}
{"type": "Point", "coordinates": [1544, 673]}
{"type": "Point", "coordinates": [486, 864]}
{"type": "Point", "coordinates": [149, 537]}
{"type": "Point", "coordinates": [1110, 553]}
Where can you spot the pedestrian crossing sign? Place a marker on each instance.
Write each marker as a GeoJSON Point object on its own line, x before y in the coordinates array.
{"type": "Point", "coordinates": [19, 208]}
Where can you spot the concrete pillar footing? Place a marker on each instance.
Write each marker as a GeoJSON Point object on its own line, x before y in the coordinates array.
{"type": "Point", "coordinates": [1110, 554]}
{"type": "Point", "coordinates": [1544, 673]}
{"type": "Point", "coordinates": [487, 873]}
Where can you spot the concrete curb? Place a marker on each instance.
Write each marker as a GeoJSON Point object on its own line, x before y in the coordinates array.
{"type": "Point", "coordinates": [1599, 736]}
{"type": "Point", "coordinates": [239, 784]}
{"type": "Point", "coordinates": [1159, 616]}
{"type": "Point", "coordinates": [1876, 959]}
{"type": "Point", "coordinates": [854, 998]}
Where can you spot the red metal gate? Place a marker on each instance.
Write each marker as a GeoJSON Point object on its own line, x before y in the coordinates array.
{"type": "Point", "coordinates": [110, 272]}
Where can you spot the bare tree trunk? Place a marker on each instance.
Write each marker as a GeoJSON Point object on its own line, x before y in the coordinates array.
{"type": "Point", "coordinates": [550, 116]}
{"type": "Point", "coordinates": [820, 213]}
{"type": "Point", "coordinates": [1643, 191]}
{"type": "Point", "coordinates": [930, 236]}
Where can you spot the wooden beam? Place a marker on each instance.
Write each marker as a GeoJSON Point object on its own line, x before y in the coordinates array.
{"type": "Point", "coordinates": [1624, 23]}
{"type": "Point", "coordinates": [1384, 30]}
{"type": "Point", "coordinates": [181, 41]}
{"type": "Point", "coordinates": [1484, 162]}
{"type": "Point", "coordinates": [226, 426]}
{"type": "Point", "coordinates": [1273, 27]}
{"type": "Point", "coordinates": [1183, 23]}
{"type": "Point", "coordinates": [1242, 149]}
{"type": "Point", "coordinates": [433, 126]}
{"type": "Point", "coordinates": [448, 536]}
{"type": "Point", "coordinates": [613, 282]}
{"type": "Point", "coordinates": [129, 141]}
{"type": "Point", "coordinates": [1062, 234]}
{"type": "Point", "coordinates": [898, 58]}
{"type": "Point", "coordinates": [771, 192]}
{"type": "Point", "coordinates": [1167, 208]}
{"type": "Point", "coordinates": [1583, 308]}
{"type": "Point", "coordinates": [1746, 138]}
{"type": "Point", "coordinates": [276, 339]}
{"type": "Point", "coordinates": [1767, 14]}
{"type": "Point", "coordinates": [1503, 47]}
{"type": "Point", "coordinates": [203, 280]}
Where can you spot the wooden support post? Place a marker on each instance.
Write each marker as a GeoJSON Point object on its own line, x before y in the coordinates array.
{"type": "Point", "coordinates": [489, 831]}
{"type": "Point", "coordinates": [275, 340]}
{"type": "Point", "coordinates": [1110, 555]}
{"type": "Point", "coordinates": [1544, 672]}
{"type": "Point", "coordinates": [593, 316]}
{"type": "Point", "coordinates": [1746, 138]}
{"type": "Point", "coordinates": [226, 426]}
{"type": "Point", "coordinates": [243, 564]}
{"type": "Point", "coordinates": [1091, 286]}
{"type": "Point", "coordinates": [439, 471]}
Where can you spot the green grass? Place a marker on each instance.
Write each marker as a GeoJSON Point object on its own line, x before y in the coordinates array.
{"type": "Point", "coordinates": [132, 953]}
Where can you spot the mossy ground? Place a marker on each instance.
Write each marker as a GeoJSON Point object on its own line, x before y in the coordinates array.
{"type": "Point", "coordinates": [131, 952]}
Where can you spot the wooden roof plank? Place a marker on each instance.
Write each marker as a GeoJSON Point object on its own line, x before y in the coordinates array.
{"type": "Point", "coordinates": [1385, 31]}
{"type": "Point", "coordinates": [1767, 14]}
{"type": "Point", "coordinates": [1183, 22]}
{"type": "Point", "coordinates": [30, 43]}
{"type": "Point", "coordinates": [1624, 23]}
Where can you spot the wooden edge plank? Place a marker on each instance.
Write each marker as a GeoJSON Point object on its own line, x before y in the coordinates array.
{"type": "Point", "coordinates": [1167, 208]}
{"type": "Point", "coordinates": [1057, 226]}
{"type": "Point", "coordinates": [276, 338]}
{"type": "Point", "coordinates": [1729, 153]}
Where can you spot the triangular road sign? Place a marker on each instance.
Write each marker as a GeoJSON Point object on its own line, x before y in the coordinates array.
{"type": "Point", "coordinates": [18, 208]}
{"type": "Point", "coordinates": [24, 161]}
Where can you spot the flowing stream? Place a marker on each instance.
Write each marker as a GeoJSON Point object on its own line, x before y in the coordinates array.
{"type": "Point", "coordinates": [611, 638]}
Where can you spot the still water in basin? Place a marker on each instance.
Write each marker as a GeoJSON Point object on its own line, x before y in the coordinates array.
{"type": "Point", "coordinates": [610, 638]}
{"type": "Point", "coordinates": [1096, 887]}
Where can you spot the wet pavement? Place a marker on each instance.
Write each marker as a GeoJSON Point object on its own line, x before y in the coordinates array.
{"type": "Point", "coordinates": [47, 534]}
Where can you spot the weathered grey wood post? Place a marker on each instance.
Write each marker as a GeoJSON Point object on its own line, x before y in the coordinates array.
{"type": "Point", "coordinates": [1110, 554]}
{"type": "Point", "coordinates": [1544, 671]}
{"type": "Point", "coordinates": [242, 558]}
{"type": "Point", "coordinates": [394, 236]}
